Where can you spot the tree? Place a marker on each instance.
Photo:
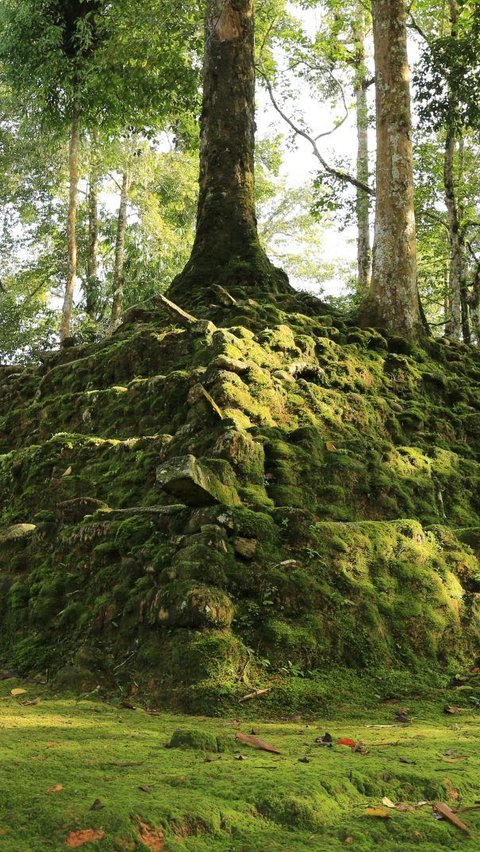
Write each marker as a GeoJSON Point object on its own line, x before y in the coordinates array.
{"type": "Point", "coordinates": [89, 63]}
{"type": "Point", "coordinates": [394, 301]}
{"type": "Point", "coordinates": [227, 248]}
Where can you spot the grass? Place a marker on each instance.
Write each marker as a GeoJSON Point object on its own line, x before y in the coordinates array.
{"type": "Point", "coordinates": [214, 801]}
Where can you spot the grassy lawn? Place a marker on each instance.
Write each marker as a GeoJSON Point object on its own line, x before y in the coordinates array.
{"type": "Point", "coordinates": [59, 756]}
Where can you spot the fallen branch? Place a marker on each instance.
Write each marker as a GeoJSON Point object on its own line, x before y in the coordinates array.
{"type": "Point", "coordinates": [255, 694]}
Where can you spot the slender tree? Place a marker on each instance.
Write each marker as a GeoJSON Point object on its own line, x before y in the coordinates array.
{"type": "Point", "coordinates": [394, 300]}
{"type": "Point", "coordinates": [364, 252]}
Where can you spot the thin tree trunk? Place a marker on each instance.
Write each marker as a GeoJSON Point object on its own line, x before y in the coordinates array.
{"type": "Point", "coordinates": [395, 303]}
{"type": "Point", "coordinates": [91, 285]}
{"type": "Point", "coordinates": [119, 264]}
{"type": "Point", "coordinates": [456, 273]}
{"type": "Point", "coordinates": [73, 167]}
{"type": "Point", "coordinates": [364, 254]}
{"type": "Point", "coordinates": [227, 247]}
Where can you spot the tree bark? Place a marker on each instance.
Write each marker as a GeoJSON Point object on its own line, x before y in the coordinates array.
{"type": "Point", "coordinates": [394, 300]}
{"type": "Point", "coordinates": [458, 320]}
{"type": "Point", "coordinates": [91, 284]}
{"type": "Point", "coordinates": [119, 264]}
{"type": "Point", "coordinates": [226, 247]}
{"type": "Point", "coordinates": [364, 254]}
{"type": "Point", "coordinates": [73, 167]}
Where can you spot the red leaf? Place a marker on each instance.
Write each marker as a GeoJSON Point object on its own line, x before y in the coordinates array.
{"type": "Point", "coordinates": [346, 741]}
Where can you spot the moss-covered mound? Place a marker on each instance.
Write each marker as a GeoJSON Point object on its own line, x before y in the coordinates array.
{"type": "Point", "coordinates": [209, 504]}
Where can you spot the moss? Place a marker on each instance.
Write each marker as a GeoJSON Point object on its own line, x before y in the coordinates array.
{"type": "Point", "coordinates": [199, 741]}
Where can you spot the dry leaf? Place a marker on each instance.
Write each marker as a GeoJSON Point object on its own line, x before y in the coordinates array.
{"type": "Point", "coordinates": [331, 447]}
{"type": "Point", "coordinates": [452, 711]}
{"type": "Point", "coordinates": [152, 838]}
{"type": "Point", "coordinates": [17, 692]}
{"type": "Point", "coordinates": [388, 802]}
{"type": "Point", "coordinates": [452, 792]}
{"type": "Point", "coordinates": [382, 813]}
{"type": "Point", "coordinates": [448, 759]}
{"type": "Point", "coordinates": [68, 472]}
{"type": "Point", "coordinates": [256, 742]}
{"type": "Point", "coordinates": [80, 838]}
{"type": "Point", "coordinates": [447, 813]}
{"type": "Point", "coordinates": [145, 788]}
{"type": "Point", "coordinates": [349, 839]}
{"type": "Point", "coordinates": [56, 788]}
{"type": "Point", "coordinates": [31, 703]}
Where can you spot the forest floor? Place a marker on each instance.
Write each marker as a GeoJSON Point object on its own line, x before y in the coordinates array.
{"type": "Point", "coordinates": [97, 774]}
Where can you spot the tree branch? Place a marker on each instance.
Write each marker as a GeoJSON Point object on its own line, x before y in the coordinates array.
{"type": "Point", "coordinates": [331, 170]}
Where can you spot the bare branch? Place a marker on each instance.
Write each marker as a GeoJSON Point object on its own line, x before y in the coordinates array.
{"type": "Point", "coordinates": [331, 170]}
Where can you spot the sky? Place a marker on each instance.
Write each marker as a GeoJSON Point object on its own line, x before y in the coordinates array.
{"type": "Point", "coordinates": [300, 166]}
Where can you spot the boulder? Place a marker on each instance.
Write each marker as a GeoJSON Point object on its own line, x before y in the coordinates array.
{"type": "Point", "coordinates": [195, 484]}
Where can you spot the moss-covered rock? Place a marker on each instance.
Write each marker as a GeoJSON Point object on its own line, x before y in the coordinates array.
{"type": "Point", "coordinates": [258, 492]}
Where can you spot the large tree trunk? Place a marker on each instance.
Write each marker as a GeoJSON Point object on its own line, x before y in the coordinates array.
{"type": "Point", "coordinates": [73, 167]}
{"type": "Point", "coordinates": [226, 247]}
{"type": "Point", "coordinates": [91, 284]}
{"type": "Point", "coordinates": [394, 301]}
{"type": "Point", "coordinates": [364, 254]}
{"type": "Point", "coordinates": [119, 264]}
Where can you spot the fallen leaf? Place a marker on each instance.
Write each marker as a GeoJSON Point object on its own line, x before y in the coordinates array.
{"type": "Point", "coordinates": [31, 703]}
{"type": "Point", "coordinates": [448, 759]}
{"type": "Point", "coordinates": [17, 692]}
{"type": "Point", "coordinates": [56, 788]}
{"type": "Point", "coordinates": [52, 743]}
{"type": "Point", "coordinates": [127, 706]}
{"type": "Point", "coordinates": [256, 742]}
{"type": "Point", "coordinates": [452, 792]}
{"type": "Point", "coordinates": [97, 805]}
{"type": "Point", "coordinates": [349, 839]}
{"type": "Point", "coordinates": [387, 802]}
{"type": "Point", "coordinates": [452, 711]}
{"type": "Point", "coordinates": [331, 447]}
{"type": "Point", "coordinates": [68, 472]}
{"type": "Point", "coordinates": [381, 813]}
{"type": "Point", "coordinates": [346, 741]}
{"type": "Point", "coordinates": [447, 813]}
{"type": "Point", "coordinates": [145, 788]}
{"type": "Point", "coordinates": [80, 838]}
{"type": "Point", "coordinates": [152, 838]}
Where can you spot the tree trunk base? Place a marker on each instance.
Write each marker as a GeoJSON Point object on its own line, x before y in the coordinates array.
{"type": "Point", "coordinates": [250, 272]}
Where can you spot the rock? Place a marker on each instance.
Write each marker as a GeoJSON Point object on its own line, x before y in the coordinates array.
{"type": "Point", "coordinates": [198, 394]}
{"type": "Point", "coordinates": [194, 484]}
{"type": "Point", "coordinates": [245, 547]}
{"type": "Point", "coordinates": [246, 455]}
{"type": "Point", "coordinates": [188, 604]}
{"type": "Point", "coordinates": [232, 365]}
{"type": "Point", "coordinates": [203, 327]}
{"type": "Point", "coordinates": [17, 532]}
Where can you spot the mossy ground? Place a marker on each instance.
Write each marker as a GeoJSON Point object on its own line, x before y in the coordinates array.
{"type": "Point", "coordinates": [206, 800]}
{"type": "Point", "coordinates": [343, 528]}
